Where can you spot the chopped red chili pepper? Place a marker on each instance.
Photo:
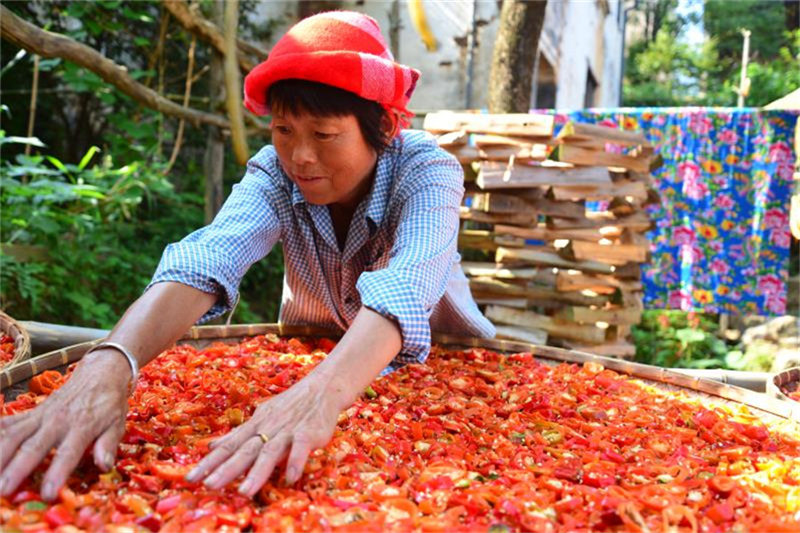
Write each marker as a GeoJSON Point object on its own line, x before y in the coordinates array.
{"type": "Point", "coordinates": [472, 440]}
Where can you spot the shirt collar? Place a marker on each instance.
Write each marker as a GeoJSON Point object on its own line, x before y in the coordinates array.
{"type": "Point", "coordinates": [378, 197]}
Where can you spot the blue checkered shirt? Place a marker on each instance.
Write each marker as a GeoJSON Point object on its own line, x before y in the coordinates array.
{"type": "Point", "coordinates": [399, 259]}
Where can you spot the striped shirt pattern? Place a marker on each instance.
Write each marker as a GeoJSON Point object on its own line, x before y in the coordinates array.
{"type": "Point", "coordinates": [399, 259]}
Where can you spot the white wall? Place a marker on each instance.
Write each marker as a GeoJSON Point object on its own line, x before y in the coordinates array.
{"type": "Point", "coordinates": [576, 32]}
{"type": "Point", "coordinates": [591, 38]}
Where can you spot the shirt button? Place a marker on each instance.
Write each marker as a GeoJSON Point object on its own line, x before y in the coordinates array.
{"type": "Point", "coordinates": [348, 300]}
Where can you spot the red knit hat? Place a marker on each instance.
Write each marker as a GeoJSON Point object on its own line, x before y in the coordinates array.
{"type": "Point", "coordinates": [344, 49]}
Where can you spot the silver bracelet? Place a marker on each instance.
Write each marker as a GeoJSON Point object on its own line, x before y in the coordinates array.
{"type": "Point", "coordinates": [128, 355]}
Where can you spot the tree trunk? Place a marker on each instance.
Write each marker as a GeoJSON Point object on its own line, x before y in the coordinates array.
{"type": "Point", "coordinates": [514, 55]}
{"type": "Point", "coordinates": [215, 145]}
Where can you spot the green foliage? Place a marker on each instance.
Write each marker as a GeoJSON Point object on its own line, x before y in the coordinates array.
{"type": "Point", "coordinates": [677, 339]}
{"type": "Point", "coordinates": [81, 242]}
{"type": "Point", "coordinates": [724, 20]}
{"type": "Point", "coordinates": [665, 70]}
{"type": "Point", "coordinates": [103, 224]}
{"type": "Point", "coordinates": [774, 79]}
{"type": "Point", "coordinates": [758, 357]}
{"type": "Point", "coordinates": [96, 233]}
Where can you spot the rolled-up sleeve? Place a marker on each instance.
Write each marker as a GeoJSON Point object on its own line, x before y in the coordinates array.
{"type": "Point", "coordinates": [214, 259]}
{"type": "Point", "coordinates": [422, 254]}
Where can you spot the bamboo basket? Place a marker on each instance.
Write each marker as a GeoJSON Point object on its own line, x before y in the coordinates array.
{"type": "Point", "coordinates": [785, 382]}
{"type": "Point", "coordinates": [22, 342]}
{"type": "Point", "coordinates": [13, 380]}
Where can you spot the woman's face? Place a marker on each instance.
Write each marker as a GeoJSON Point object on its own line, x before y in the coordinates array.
{"type": "Point", "coordinates": [326, 157]}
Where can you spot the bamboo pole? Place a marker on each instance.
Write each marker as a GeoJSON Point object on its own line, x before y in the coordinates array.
{"type": "Point", "coordinates": [34, 93]}
{"type": "Point", "coordinates": [233, 84]}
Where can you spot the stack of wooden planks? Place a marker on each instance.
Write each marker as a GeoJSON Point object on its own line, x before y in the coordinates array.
{"type": "Point", "coordinates": [543, 267]}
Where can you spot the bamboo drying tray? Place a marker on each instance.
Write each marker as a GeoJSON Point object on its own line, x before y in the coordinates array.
{"type": "Point", "coordinates": [22, 342]}
{"type": "Point", "coordinates": [14, 379]}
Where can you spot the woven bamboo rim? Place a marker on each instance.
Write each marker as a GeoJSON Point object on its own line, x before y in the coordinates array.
{"type": "Point", "coordinates": [22, 341]}
{"type": "Point", "coordinates": [778, 384]}
{"type": "Point", "coordinates": [203, 335]}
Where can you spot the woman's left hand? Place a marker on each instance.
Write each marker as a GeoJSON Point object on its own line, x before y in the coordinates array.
{"type": "Point", "coordinates": [295, 422]}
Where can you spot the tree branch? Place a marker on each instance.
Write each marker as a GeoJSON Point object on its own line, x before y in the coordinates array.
{"type": "Point", "coordinates": [48, 44]}
{"type": "Point", "coordinates": [209, 32]}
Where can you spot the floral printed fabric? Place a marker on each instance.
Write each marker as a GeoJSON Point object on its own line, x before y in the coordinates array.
{"type": "Point", "coordinates": [721, 242]}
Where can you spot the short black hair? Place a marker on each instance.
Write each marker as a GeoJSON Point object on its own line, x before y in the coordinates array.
{"type": "Point", "coordinates": [296, 96]}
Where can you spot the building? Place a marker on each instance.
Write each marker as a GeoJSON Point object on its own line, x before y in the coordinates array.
{"type": "Point", "coordinates": [579, 63]}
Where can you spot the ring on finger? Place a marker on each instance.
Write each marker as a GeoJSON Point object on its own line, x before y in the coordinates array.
{"type": "Point", "coordinates": [264, 438]}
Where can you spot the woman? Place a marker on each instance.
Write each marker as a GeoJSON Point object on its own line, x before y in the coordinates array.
{"type": "Point", "coordinates": [368, 219]}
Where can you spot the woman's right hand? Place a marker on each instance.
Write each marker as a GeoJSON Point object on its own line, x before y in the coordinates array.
{"type": "Point", "coordinates": [90, 407]}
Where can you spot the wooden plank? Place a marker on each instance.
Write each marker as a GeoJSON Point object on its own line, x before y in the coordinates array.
{"type": "Point", "coordinates": [531, 335]}
{"type": "Point", "coordinates": [522, 219]}
{"type": "Point", "coordinates": [487, 240]}
{"type": "Point", "coordinates": [464, 153]}
{"type": "Point", "coordinates": [621, 207]}
{"type": "Point", "coordinates": [516, 124]}
{"type": "Point", "coordinates": [467, 154]}
{"type": "Point", "coordinates": [517, 303]}
{"type": "Point", "coordinates": [493, 288]}
{"type": "Point", "coordinates": [587, 315]}
{"type": "Point", "coordinates": [579, 131]}
{"type": "Point", "coordinates": [533, 152]}
{"type": "Point", "coordinates": [529, 319]}
{"type": "Point", "coordinates": [644, 177]}
{"type": "Point", "coordinates": [542, 276]}
{"type": "Point", "coordinates": [628, 271]}
{"type": "Point", "coordinates": [633, 189]}
{"type": "Point", "coordinates": [576, 155]}
{"type": "Point", "coordinates": [621, 349]}
{"type": "Point", "coordinates": [528, 277]}
{"type": "Point", "coordinates": [498, 203]}
{"type": "Point", "coordinates": [628, 299]}
{"type": "Point", "coordinates": [634, 237]}
{"type": "Point", "coordinates": [452, 139]}
{"type": "Point", "coordinates": [615, 254]}
{"type": "Point", "coordinates": [619, 331]}
{"type": "Point", "coordinates": [636, 222]}
{"type": "Point", "coordinates": [509, 241]}
{"type": "Point", "coordinates": [544, 256]}
{"type": "Point", "coordinates": [561, 210]}
{"type": "Point", "coordinates": [493, 175]}
{"type": "Point", "coordinates": [476, 240]}
{"type": "Point", "coordinates": [528, 193]}
{"type": "Point", "coordinates": [575, 281]}
{"type": "Point", "coordinates": [483, 141]}
{"type": "Point", "coordinates": [492, 202]}
{"type": "Point", "coordinates": [543, 233]}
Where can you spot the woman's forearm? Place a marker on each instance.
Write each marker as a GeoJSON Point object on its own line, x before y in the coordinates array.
{"type": "Point", "coordinates": [367, 347]}
{"type": "Point", "coordinates": [155, 321]}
